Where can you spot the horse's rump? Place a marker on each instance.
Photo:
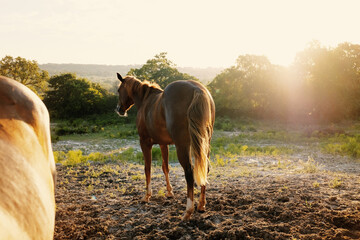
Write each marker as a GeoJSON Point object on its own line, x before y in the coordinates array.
{"type": "Point", "coordinates": [27, 168]}
{"type": "Point", "coordinates": [189, 102]}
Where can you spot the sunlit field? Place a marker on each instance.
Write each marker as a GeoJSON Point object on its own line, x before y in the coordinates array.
{"type": "Point", "coordinates": [267, 180]}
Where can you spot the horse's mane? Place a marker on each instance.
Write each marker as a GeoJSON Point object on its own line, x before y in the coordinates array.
{"type": "Point", "coordinates": [142, 87]}
{"type": "Point", "coordinates": [135, 81]}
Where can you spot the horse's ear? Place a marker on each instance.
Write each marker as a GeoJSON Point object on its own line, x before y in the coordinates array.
{"type": "Point", "coordinates": [120, 77]}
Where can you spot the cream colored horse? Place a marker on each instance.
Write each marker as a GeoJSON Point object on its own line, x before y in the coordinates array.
{"type": "Point", "coordinates": [27, 167]}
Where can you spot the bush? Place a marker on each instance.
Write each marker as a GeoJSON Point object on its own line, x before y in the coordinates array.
{"type": "Point", "coordinates": [69, 159]}
{"type": "Point", "coordinates": [350, 146]}
{"type": "Point", "coordinates": [76, 157]}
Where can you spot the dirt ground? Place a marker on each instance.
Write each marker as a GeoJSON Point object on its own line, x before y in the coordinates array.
{"type": "Point", "coordinates": [247, 198]}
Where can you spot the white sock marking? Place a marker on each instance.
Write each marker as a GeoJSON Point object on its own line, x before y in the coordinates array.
{"type": "Point", "coordinates": [189, 204]}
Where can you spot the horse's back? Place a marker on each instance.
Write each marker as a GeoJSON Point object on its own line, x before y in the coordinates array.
{"type": "Point", "coordinates": [178, 96]}
{"type": "Point", "coordinates": [27, 168]}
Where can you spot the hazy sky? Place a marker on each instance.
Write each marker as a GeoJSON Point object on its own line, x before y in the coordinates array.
{"type": "Point", "coordinates": [194, 32]}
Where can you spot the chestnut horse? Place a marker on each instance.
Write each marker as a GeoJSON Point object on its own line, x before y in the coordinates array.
{"type": "Point", "coordinates": [182, 114]}
{"type": "Point", "coordinates": [27, 167]}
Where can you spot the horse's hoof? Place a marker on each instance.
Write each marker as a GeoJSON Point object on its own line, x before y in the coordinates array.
{"type": "Point", "coordinates": [201, 209]}
{"type": "Point", "coordinates": [146, 199]}
{"type": "Point", "coordinates": [186, 217]}
{"type": "Point", "coordinates": [170, 195]}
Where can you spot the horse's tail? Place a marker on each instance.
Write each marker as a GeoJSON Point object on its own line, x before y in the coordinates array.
{"type": "Point", "coordinates": [200, 129]}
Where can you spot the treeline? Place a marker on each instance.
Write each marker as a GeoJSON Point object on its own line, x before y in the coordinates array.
{"type": "Point", "coordinates": [104, 74]}
{"type": "Point", "coordinates": [68, 96]}
{"type": "Point", "coordinates": [323, 84]}
{"type": "Point", "coordinates": [71, 97]}
{"type": "Point", "coordinates": [65, 95]}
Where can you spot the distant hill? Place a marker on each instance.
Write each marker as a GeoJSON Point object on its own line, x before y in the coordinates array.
{"type": "Point", "coordinates": [205, 75]}
{"type": "Point", "coordinates": [87, 69]}
{"type": "Point", "coordinates": [106, 74]}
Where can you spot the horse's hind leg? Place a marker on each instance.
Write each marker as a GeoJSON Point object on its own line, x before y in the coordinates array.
{"type": "Point", "coordinates": [202, 199]}
{"type": "Point", "coordinates": [183, 154]}
{"type": "Point", "coordinates": [146, 149]}
{"type": "Point", "coordinates": [165, 168]}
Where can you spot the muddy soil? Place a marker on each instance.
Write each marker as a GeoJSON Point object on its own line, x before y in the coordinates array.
{"type": "Point", "coordinates": [247, 198]}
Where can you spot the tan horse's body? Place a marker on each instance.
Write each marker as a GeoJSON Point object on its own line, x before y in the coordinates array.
{"type": "Point", "coordinates": [27, 167]}
{"type": "Point", "coordinates": [182, 114]}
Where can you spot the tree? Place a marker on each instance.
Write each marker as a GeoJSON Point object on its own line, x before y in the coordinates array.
{"type": "Point", "coordinates": [323, 84]}
{"type": "Point", "coordinates": [331, 78]}
{"type": "Point", "coordinates": [70, 97]}
{"type": "Point", "coordinates": [348, 58]}
{"type": "Point", "coordinates": [25, 71]}
{"type": "Point", "coordinates": [243, 89]}
{"type": "Point", "coordinates": [160, 70]}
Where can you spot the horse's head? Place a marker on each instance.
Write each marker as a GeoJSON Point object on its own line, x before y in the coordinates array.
{"type": "Point", "coordinates": [125, 101]}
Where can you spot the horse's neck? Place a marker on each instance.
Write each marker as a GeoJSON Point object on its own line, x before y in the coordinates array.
{"type": "Point", "coordinates": [145, 95]}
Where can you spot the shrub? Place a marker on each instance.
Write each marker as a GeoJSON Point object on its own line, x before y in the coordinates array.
{"type": "Point", "coordinates": [76, 157]}
{"type": "Point", "coordinates": [310, 166]}
{"type": "Point", "coordinates": [349, 146]}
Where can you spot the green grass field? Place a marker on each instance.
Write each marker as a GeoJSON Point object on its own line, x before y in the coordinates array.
{"type": "Point", "coordinates": [231, 139]}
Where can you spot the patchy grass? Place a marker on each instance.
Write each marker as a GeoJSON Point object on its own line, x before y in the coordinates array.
{"type": "Point", "coordinates": [157, 158]}
{"type": "Point", "coordinates": [138, 176]}
{"type": "Point", "coordinates": [224, 146]}
{"type": "Point", "coordinates": [70, 158]}
{"type": "Point", "coordinates": [344, 145]}
{"type": "Point", "coordinates": [283, 146]}
{"type": "Point", "coordinates": [76, 157]}
{"type": "Point", "coordinates": [335, 183]}
{"type": "Point", "coordinates": [118, 131]}
{"type": "Point", "coordinates": [310, 166]}
{"type": "Point", "coordinates": [228, 124]}
{"type": "Point", "coordinates": [97, 126]}
{"type": "Point", "coordinates": [219, 161]}
{"type": "Point", "coordinates": [246, 172]}
{"type": "Point", "coordinates": [161, 192]}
